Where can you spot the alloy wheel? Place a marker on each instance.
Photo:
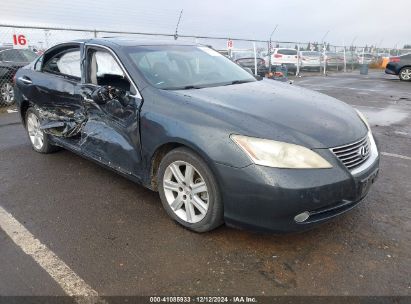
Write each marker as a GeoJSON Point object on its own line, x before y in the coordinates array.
{"type": "Point", "coordinates": [7, 93]}
{"type": "Point", "coordinates": [35, 133]}
{"type": "Point", "coordinates": [186, 191]}
{"type": "Point", "coordinates": [406, 74]}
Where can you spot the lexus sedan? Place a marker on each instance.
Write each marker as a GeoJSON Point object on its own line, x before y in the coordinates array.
{"type": "Point", "coordinates": [218, 145]}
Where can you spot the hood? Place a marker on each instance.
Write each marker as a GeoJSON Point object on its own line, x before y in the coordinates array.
{"type": "Point", "coordinates": [279, 111]}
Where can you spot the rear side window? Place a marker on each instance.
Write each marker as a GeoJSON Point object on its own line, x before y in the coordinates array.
{"type": "Point", "coordinates": [64, 63]}
{"type": "Point", "coordinates": [287, 52]}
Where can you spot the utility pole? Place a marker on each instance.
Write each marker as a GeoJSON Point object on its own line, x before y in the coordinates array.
{"type": "Point", "coordinates": [178, 23]}
{"type": "Point", "coordinates": [269, 49]}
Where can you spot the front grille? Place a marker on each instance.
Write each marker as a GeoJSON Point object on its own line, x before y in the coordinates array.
{"type": "Point", "coordinates": [353, 155]}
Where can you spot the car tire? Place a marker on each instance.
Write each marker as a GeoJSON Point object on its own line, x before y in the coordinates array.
{"type": "Point", "coordinates": [40, 141]}
{"type": "Point", "coordinates": [181, 175]}
{"type": "Point", "coordinates": [405, 74]}
{"type": "Point", "coordinates": [6, 93]}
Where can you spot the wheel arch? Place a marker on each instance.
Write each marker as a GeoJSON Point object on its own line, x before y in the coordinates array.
{"type": "Point", "coordinates": [165, 148]}
{"type": "Point", "coordinates": [24, 106]}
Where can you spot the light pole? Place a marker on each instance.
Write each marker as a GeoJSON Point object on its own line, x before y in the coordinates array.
{"type": "Point", "coordinates": [322, 43]}
{"type": "Point", "coordinates": [269, 49]}
{"type": "Point", "coordinates": [352, 52]}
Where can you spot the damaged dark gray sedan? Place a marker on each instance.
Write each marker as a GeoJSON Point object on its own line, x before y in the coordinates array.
{"type": "Point", "coordinates": [218, 145]}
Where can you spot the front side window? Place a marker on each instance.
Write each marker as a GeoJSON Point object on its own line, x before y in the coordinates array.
{"type": "Point", "coordinates": [65, 63]}
{"type": "Point", "coordinates": [172, 67]}
{"type": "Point", "coordinates": [105, 71]}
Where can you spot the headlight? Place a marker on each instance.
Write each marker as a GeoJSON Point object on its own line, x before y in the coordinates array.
{"type": "Point", "coordinates": [363, 118]}
{"type": "Point", "coordinates": [277, 154]}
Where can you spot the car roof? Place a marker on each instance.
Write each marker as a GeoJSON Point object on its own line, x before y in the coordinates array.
{"type": "Point", "coordinates": [130, 41]}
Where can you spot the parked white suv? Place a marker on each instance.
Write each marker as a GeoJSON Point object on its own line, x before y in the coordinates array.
{"type": "Point", "coordinates": [284, 56]}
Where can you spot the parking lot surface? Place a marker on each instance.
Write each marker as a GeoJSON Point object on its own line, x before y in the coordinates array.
{"type": "Point", "coordinates": [116, 237]}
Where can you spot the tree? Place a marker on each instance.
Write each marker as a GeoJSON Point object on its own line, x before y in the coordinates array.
{"type": "Point", "coordinates": [407, 46]}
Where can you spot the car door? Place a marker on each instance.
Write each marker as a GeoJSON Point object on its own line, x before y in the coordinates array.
{"type": "Point", "coordinates": [111, 133]}
{"type": "Point", "coordinates": [53, 86]}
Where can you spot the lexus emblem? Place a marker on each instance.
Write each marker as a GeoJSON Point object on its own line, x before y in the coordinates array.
{"type": "Point", "coordinates": [362, 151]}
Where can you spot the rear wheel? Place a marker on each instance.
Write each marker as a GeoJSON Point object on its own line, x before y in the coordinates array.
{"type": "Point", "coordinates": [39, 140]}
{"type": "Point", "coordinates": [405, 74]}
{"type": "Point", "coordinates": [189, 191]}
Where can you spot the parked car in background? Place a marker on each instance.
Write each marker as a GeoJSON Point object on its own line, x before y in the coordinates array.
{"type": "Point", "coordinates": [367, 58]}
{"type": "Point", "coordinates": [401, 66]}
{"type": "Point", "coordinates": [334, 60]}
{"type": "Point", "coordinates": [310, 60]}
{"type": "Point", "coordinates": [10, 61]}
{"type": "Point", "coordinates": [383, 59]}
{"type": "Point", "coordinates": [247, 60]}
{"type": "Point", "coordinates": [225, 53]}
{"type": "Point", "coordinates": [351, 59]}
{"type": "Point", "coordinates": [284, 57]}
{"type": "Point", "coordinates": [218, 145]}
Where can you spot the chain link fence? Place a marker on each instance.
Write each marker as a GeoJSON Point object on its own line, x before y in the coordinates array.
{"type": "Point", "coordinates": [20, 45]}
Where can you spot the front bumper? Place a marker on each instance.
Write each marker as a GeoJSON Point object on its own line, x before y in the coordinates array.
{"type": "Point", "coordinates": [268, 199]}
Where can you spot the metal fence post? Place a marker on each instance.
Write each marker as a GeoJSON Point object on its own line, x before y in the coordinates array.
{"type": "Point", "coordinates": [255, 59]}
{"type": "Point", "coordinates": [298, 60]}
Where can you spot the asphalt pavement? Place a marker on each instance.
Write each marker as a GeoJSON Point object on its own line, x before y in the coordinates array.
{"type": "Point", "coordinates": [116, 237]}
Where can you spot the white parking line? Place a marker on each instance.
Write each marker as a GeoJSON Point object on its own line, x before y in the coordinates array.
{"type": "Point", "coordinates": [68, 280]}
{"type": "Point", "coordinates": [396, 155]}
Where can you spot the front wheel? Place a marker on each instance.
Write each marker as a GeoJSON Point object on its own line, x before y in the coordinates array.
{"type": "Point", "coordinates": [189, 191]}
{"type": "Point", "coordinates": [405, 74]}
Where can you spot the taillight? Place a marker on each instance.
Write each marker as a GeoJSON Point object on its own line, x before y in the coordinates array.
{"type": "Point", "coordinates": [14, 79]}
{"type": "Point", "coordinates": [278, 56]}
{"type": "Point", "coordinates": [395, 59]}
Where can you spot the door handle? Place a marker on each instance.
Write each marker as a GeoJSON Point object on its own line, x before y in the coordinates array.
{"type": "Point", "coordinates": [25, 80]}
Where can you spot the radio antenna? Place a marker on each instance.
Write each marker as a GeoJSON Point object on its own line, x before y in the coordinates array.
{"type": "Point", "coordinates": [178, 23]}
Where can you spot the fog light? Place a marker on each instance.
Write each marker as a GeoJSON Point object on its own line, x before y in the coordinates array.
{"type": "Point", "coordinates": [302, 217]}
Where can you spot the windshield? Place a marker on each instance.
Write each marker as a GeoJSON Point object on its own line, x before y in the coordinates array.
{"type": "Point", "coordinates": [312, 54]}
{"type": "Point", "coordinates": [287, 52]}
{"type": "Point", "coordinates": [185, 67]}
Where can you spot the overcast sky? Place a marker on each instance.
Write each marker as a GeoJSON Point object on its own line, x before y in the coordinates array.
{"type": "Point", "coordinates": [371, 21]}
